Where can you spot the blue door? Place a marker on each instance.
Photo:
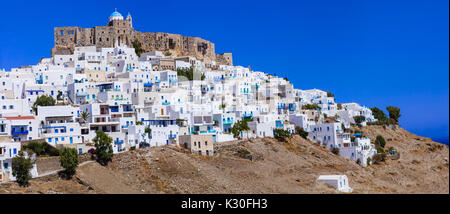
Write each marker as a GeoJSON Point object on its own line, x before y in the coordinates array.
{"type": "Point", "coordinates": [71, 140]}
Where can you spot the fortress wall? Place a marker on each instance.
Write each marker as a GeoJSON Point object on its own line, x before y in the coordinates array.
{"type": "Point", "coordinates": [67, 38]}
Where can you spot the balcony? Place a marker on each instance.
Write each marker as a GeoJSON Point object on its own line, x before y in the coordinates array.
{"type": "Point", "coordinates": [166, 103]}
{"type": "Point", "coordinates": [227, 122]}
{"type": "Point", "coordinates": [114, 109]}
{"type": "Point", "coordinates": [117, 141]}
{"type": "Point", "coordinates": [127, 109]}
{"type": "Point", "coordinates": [125, 126]}
{"type": "Point", "coordinates": [19, 132]}
{"type": "Point", "coordinates": [281, 106]}
{"type": "Point", "coordinates": [278, 124]}
{"type": "Point", "coordinates": [245, 115]}
{"type": "Point", "coordinates": [172, 136]}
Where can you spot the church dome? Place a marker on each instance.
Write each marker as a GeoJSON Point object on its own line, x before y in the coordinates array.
{"type": "Point", "coordinates": [115, 13]}
{"type": "Point", "coordinates": [115, 16]}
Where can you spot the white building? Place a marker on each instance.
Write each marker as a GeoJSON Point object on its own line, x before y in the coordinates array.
{"type": "Point", "coordinates": [340, 182]}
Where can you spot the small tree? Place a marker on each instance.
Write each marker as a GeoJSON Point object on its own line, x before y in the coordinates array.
{"type": "Point", "coordinates": [359, 119]}
{"type": "Point", "coordinates": [239, 127]}
{"type": "Point", "coordinates": [281, 134]}
{"type": "Point", "coordinates": [21, 169]}
{"type": "Point", "coordinates": [379, 141]}
{"type": "Point", "coordinates": [84, 116]}
{"type": "Point", "coordinates": [103, 147]}
{"type": "Point", "coordinates": [358, 161]}
{"type": "Point", "coordinates": [379, 115]}
{"type": "Point", "coordinates": [148, 130]}
{"type": "Point", "coordinates": [394, 113]}
{"type": "Point", "coordinates": [43, 100]}
{"type": "Point", "coordinates": [330, 94]}
{"type": "Point", "coordinates": [335, 151]}
{"type": "Point", "coordinates": [60, 95]}
{"type": "Point", "coordinates": [69, 161]}
{"type": "Point", "coordinates": [300, 131]}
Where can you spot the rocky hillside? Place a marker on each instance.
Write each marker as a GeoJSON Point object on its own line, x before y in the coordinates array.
{"type": "Point", "coordinates": [259, 166]}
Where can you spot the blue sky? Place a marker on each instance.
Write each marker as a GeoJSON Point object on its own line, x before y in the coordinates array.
{"type": "Point", "coordinates": [376, 53]}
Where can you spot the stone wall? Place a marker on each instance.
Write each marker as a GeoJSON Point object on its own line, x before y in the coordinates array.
{"type": "Point", "coordinates": [121, 32]}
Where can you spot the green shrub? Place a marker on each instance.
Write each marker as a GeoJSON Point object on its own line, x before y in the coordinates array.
{"type": "Point", "coordinates": [21, 169]}
{"type": "Point", "coordinates": [379, 141]}
{"type": "Point", "coordinates": [281, 134]}
{"type": "Point", "coordinates": [335, 151]}
{"type": "Point", "coordinates": [43, 100]}
{"type": "Point", "coordinates": [42, 148]}
{"type": "Point", "coordinates": [301, 132]}
{"type": "Point", "coordinates": [311, 107]}
{"type": "Point", "coordinates": [378, 158]}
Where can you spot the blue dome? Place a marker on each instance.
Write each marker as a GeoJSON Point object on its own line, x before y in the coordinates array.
{"type": "Point", "coordinates": [115, 13]}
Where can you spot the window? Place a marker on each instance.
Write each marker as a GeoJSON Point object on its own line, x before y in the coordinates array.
{"type": "Point", "coordinates": [62, 33]}
{"type": "Point", "coordinates": [206, 143]}
{"type": "Point", "coordinates": [11, 107]}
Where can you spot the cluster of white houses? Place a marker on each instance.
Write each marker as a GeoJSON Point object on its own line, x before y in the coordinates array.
{"type": "Point", "coordinates": [137, 103]}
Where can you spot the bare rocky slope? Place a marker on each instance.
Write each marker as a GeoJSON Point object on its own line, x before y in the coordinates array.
{"type": "Point", "coordinates": [259, 166]}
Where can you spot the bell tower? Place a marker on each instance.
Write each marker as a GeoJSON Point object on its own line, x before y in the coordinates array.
{"type": "Point", "coordinates": [130, 20]}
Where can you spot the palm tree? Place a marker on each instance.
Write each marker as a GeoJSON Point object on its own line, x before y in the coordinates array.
{"type": "Point", "coordinates": [84, 116]}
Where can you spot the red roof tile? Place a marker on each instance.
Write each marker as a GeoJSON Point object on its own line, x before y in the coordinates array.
{"type": "Point", "coordinates": [20, 118]}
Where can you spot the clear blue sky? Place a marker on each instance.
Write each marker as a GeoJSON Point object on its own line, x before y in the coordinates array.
{"type": "Point", "coordinates": [376, 53]}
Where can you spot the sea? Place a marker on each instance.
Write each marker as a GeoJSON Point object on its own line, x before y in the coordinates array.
{"type": "Point", "coordinates": [443, 140]}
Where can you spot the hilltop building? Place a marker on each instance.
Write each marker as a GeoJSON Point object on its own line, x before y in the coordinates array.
{"type": "Point", "coordinates": [119, 30]}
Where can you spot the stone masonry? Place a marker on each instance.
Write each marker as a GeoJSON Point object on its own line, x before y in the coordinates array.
{"type": "Point", "coordinates": [122, 32]}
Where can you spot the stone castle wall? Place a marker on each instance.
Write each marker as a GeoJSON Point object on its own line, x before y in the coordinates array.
{"type": "Point", "coordinates": [122, 32]}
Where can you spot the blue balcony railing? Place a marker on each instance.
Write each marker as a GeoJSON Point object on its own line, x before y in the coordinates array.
{"type": "Point", "coordinates": [227, 122]}
{"type": "Point", "coordinates": [118, 141]}
{"type": "Point", "coordinates": [278, 124]}
{"type": "Point", "coordinates": [166, 103]}
{"type": "Point", "coordinates": [245, 115]}
{"type": "Point", "coordinates": [172, 136]}
{"type": "Point", "coordinates": [18, 132]}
